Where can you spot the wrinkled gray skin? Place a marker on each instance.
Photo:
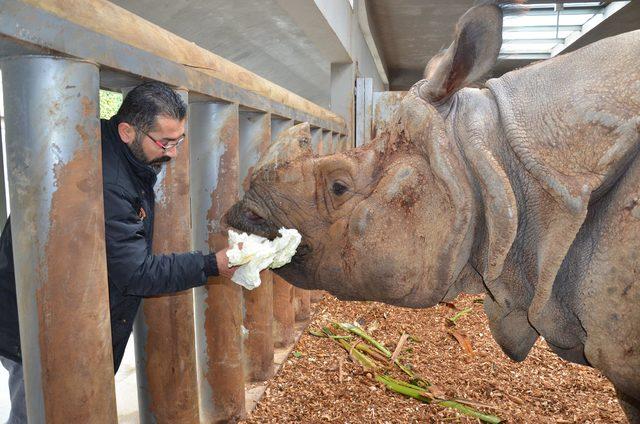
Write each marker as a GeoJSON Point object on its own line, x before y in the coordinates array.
{"type": "Point", "coordinates": [527, 189]}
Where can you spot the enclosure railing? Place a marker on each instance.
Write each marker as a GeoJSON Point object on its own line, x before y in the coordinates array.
{"type": "Point", "coordinates": [54, 57]}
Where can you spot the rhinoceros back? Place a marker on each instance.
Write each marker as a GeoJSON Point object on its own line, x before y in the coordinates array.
{"type": "Point", "coordinates": [573, 124]}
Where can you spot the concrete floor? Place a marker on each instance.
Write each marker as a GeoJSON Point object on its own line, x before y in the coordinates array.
{"type": "Point", "coordinates": [5, 401]}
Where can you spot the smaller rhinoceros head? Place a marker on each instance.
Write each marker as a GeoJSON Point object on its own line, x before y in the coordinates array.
{"type": "Point", "coordinates": [392, 221]}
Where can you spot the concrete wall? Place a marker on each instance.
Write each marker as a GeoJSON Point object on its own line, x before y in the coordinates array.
{"type": "Point", "coordinates": [344, 21]}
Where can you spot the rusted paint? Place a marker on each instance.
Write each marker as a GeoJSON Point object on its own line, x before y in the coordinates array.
{"type": "Point", "coordinates": [226, 192]}
{"type": "Point", "coordinates": [88, 108]}
{"type": "Point", "coordinates": [385, 105]}
{"type": "Point", "coordinates": [283, 292]}
{"type": "Point", "coordinates": [73, 302]}
{"type": "Point", "coordinates": [167, 373]}
{"type": "Point", "coordinates": [283, 313]}
{"type": "Point", "coordinates": [222, 379]}
{"type": "Point", "coordinates": [58, 239]}
{"type": "Point", "coordinates": [302, 304]}
{"type": "Point", "coordinates": [258, 320]}
{"type": "Point", "coordinates": [255, 136]}
{"type": "Point", "coordinates": [316, 296]}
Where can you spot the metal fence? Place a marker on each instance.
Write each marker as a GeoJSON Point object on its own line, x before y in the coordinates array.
{"type": "Point", "coordinates": [54, 57]}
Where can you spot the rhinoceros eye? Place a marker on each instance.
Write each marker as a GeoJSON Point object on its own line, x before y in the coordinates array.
{"type": "Point", "coordinates": [338, 188]}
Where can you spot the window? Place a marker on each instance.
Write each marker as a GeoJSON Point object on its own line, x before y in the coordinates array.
{"type": "Point", "coordinates": [539, 31]}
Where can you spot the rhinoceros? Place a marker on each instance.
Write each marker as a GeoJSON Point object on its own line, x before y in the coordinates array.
{"type": "Point", "coordinates": [525, 187]}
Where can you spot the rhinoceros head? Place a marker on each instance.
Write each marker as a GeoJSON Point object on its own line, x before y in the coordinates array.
{"type": "Point", "coordinates": [392, 221]}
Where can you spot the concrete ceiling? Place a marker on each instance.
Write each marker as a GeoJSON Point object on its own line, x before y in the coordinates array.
{"type": "Point", "coordinates": [262, 36]}
{"type": "Point", "coordinates": [409, 32]}
{"type": "Point", "coordinates": [258, 35]}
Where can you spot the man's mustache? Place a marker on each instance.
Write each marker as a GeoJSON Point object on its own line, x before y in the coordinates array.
{"type": "Point", "coordinates": [160, 160]}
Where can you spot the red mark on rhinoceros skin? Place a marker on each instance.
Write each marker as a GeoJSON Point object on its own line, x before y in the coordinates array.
{"type": "Point", "coordinates": [142, 214]}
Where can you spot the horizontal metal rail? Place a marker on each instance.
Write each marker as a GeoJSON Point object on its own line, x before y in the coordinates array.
{"type": "Point", "coordinates": [129, 48]}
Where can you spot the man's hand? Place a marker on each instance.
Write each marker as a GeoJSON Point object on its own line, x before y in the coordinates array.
{"type": "Point", "coordinates": [223, 264]}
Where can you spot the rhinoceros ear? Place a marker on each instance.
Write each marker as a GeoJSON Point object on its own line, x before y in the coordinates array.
{"type": "Point", "coordinates": [290, 144]}
{"type": "Point", "coordinates": [472, 54]}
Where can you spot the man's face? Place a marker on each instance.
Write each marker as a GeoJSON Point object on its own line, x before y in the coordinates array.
{"type": "Point", "coordinates": [144, 145]}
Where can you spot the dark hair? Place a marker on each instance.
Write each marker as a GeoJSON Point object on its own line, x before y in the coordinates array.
{"type": "Point", "coordinates": [148, 101]}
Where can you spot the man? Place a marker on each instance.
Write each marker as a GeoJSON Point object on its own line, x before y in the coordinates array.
{"type": "Point", "coordinates": [145, 134]}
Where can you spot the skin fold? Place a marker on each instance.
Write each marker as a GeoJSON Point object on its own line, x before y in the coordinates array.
{"type": "Point", "coordinates": [526, 189]}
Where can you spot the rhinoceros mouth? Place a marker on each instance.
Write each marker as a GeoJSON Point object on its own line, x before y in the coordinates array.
{"type": "Point", "coordinates": [244, 217]}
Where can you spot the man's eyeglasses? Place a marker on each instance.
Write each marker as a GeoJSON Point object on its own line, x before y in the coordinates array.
{"type": "Point", "coordinates": [165, 144]}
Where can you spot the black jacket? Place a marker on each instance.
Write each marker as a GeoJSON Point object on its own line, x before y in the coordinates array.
{"type": "Point", "coordinates": [133, 271]}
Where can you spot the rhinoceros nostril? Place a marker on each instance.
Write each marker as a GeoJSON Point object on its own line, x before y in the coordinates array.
{"type": "Point", "coordinates": [253, 217]}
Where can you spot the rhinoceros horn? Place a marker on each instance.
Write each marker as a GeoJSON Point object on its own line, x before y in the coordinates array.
{"type": "Point", "coordinates": [290, 144]}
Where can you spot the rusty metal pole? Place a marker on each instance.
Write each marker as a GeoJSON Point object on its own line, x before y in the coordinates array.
{"type": "Point", "coordinates": [316, 140]}
{"type": "Point", "coordinates": [283, 311]}
{"type": "Point", "coordinates": [302, 304]}
{"type": "Point", "coordinates": [214, 133]}
{"type": "Point", "coordinates": [344, 144]}
{"type": "Point", "coordinates": [316, 296]}
{"type": "Point", "coordinates": [164, 328]}
{"type": "Point", "coordinates": [327, 143]}
{"type": "Point", "coordinates": [3, 194]}
{"type": "Point", "coordinates": [55, 173]}
{"type": "Point", "coordinates": [324, 148]}
{"type": "Point", "coordinates": [255, 136]}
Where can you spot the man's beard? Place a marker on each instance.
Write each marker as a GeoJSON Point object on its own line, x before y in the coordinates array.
{"type": "Point", "coordinates": [138, 153]}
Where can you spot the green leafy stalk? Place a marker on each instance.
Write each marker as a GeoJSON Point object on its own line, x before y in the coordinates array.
{"type": "Point", "coordinates": [374, 353]}
{"type": "Point", "coordinates": [360, 332]}
{"type": "Point", "coordinates": [383, 350]}
{"type": "Point", "coordinates": [316, 333]}
{"type": "Point", "coordinates": [319, 334]}
{"type": "Point", "coordinates": [419, 394]}
{"type": "Point", "coordinates": [397, 387]}
{"type": "Point", "coordinates": [470, 411]}
{"type": "Point", "coordinates": [358, 350]}
{"type": "Point", "coordinates": [356, 354]}
{"type": "Point", "coordinates": [460, 314]}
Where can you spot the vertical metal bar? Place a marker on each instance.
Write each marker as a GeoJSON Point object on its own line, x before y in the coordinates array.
{"type": "Point", "coordinates": [343, 144]}
{"type": "Point", "coordinates": [343, 80]}
{"type": "Point", "coordinates": [316, 296]}
{"type": "Point", "coordinates": [364, 106]}
{"type": "Point", "coordinates": [316, 140]}
{"type": "Point", "coordinates": [255, 136]}
{"type": "Point", "coordinates": [213, 129]}
{"type": "Point", "coordinates": [385, 104]}
{"type": "Point", "coordinates": [283, 311]}
{"type": "Point", "coordinates": [3, 193]}
{"type": "Point", "coordinates": [302, 304]}
{"type": "Point", "coordinates": [359, 132]}
{"type": "Point", "coordinates": [164, 328]}
{"type": "Point", "coordinates": [55, 163]}
{"type": "Point", "coordinates": [327, 143]}
{"type": "Point", "coordinates": [368, 109]}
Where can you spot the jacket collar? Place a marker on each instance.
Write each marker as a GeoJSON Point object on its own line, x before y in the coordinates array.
{"type": "Point", "coordinates": [143, 171]}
